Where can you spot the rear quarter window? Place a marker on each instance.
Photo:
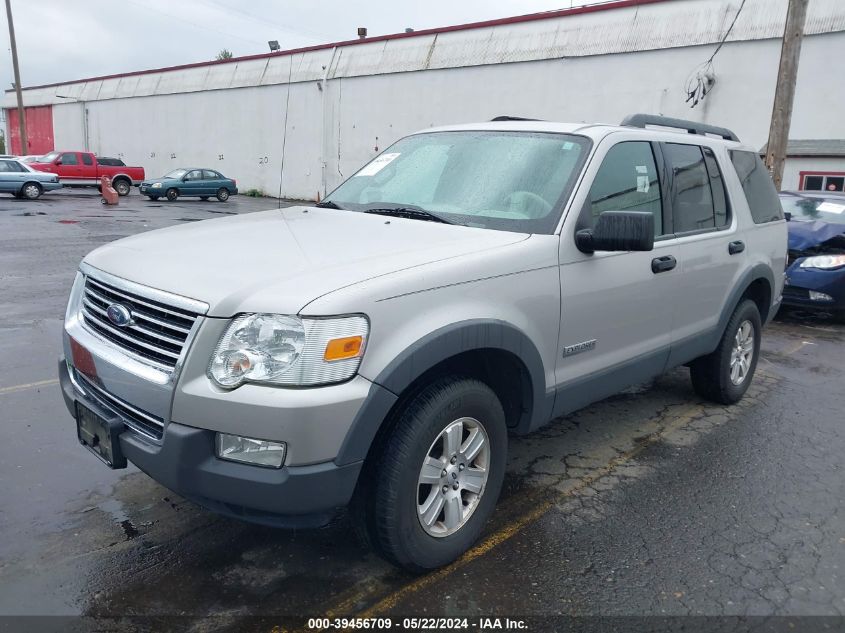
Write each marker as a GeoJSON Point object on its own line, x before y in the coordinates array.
{"type": "Point", "coordinates": [758, 187]}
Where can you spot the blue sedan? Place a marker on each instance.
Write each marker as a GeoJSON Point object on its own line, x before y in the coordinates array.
{"type": "Point", "coordinates": [815, 276]}
{"type": "Point", "coordinates": [23, 182]}
{"type": "Point", "coordinates": [191, 181]}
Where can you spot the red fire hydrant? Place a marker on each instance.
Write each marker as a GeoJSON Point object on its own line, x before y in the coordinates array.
{"type": "Point", "coordinates": [110, 196]}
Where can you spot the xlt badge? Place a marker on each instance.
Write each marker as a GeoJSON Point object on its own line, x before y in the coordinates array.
{"type": "Point", "coordinates": [586, 346]}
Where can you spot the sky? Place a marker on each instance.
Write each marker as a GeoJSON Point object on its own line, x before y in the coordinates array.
{"type": "Point", "coordinates": [61, 40]}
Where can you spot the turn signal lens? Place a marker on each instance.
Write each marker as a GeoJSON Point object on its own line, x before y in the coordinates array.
{"type": "Point", "coordinates": [343, 348]}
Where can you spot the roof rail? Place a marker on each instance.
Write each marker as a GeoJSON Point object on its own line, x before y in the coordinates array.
{"type": "Point", "coordinates": [692, 127]}
{"type": "Point", "coordinates": [506, 117]}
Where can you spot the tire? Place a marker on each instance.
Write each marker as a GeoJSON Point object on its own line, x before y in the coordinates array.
{"type": "Point", "coordinates": [392, 502]}
{"type": "Point", "coordinates": [172, 194]}
{"type": "Point", "coordinates": [153, 198]}
{"type": "Point", "coordinates": [31, 191]}
{"type": "Point", "coordinates": [122, 186]}
{"type": "Point", "coordinates": [713, 376]}
{"type": "Point", "coordinates": [222, 194]}
{"type": "Point", "coordinates": [103, 201]}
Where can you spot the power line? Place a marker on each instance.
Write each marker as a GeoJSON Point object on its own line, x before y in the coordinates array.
{"type": "Point", "coordinates": [265, 22]}
{"type": "Point", "coordinates": [703, 78]}
{"type": "Point", "coordinates": [182, 21]}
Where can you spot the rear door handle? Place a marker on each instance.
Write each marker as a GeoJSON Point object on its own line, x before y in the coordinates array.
{"type": "Point", "coordinates": [736, 247]}
{"type": "Point", "coordinates": [663, 264]}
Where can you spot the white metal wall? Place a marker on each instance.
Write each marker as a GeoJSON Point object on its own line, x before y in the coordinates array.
{"type": "Point", "coordinates": [596, 67]}
{"type": "Point", "coordinates": [796, 165]}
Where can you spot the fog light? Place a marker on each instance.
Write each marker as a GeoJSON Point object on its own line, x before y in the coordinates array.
{"type": "Point", "coordinates": [249, 450]}
{"type": "Point", "coordinates": [819, 296]}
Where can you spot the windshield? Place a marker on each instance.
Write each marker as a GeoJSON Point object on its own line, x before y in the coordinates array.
{"type": "Point", "coordinates": [47, 158]}
{"type": "Point", "coordinates": [512, 181]}
{"type": "Point", "coordinates": [809, 209]}
{"type": "Point", "coordinates": [176, 173]}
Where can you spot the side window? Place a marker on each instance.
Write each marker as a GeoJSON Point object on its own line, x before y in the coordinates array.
{"type": "Point", "coordinates": [69, 158]}
{"type": "Point", "coordinates": [717, 187]}
{"type": "Point", "coordinates": [194, 175]}
{"type": "Point", "coordinates": [211, 175]}
{"type": "Point", "coordinates": [692, 199]}
{"type": "Point", "coordinates": [6, 165]}
{"type": "Point", "coordinates": [86, 158]}
{"type": "Point", "coordinates": [758, 187]}
{"type": "Point", "coordinates": [627, 181]}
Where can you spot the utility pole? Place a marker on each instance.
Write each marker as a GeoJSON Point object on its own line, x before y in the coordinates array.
{"type": "Point", "coordinates": [21, 114]}
{"type": "Point", "coordinates": [790, 52]}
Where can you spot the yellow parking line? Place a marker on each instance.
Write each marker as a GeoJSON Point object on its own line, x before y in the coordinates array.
{"type": "Point", "coordinates": [29, 385]}
{"type": "Point", "coordinates": [514, 527]}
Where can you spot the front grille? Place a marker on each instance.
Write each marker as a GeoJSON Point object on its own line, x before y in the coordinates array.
{"type": "Point", "coordinates": [135, 418]}
{"type": "Point", "coordinates": [795, 292]}
{"type": "Point", "coordinates": [157, 332]}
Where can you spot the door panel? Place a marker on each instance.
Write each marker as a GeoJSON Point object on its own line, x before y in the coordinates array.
{"type": "Point", "coordinates": [710, 268]}
{"type": "Point", "coordinates": [193, 184]}
{"type": "Point", "coordinates": [617, 308]}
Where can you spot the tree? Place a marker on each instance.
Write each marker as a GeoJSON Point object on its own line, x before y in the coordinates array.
{"type": "Point", "coordinates": [224, 54]}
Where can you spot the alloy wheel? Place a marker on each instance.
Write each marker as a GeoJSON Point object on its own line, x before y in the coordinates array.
{"type": "Point", "coordinates": [453, 477]}
{"type": "Point", "coordinates": [742, 352]}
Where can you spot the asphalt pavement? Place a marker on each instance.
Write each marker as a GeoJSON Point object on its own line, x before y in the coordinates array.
{"type": "Point", "coordinates": [638, 512]}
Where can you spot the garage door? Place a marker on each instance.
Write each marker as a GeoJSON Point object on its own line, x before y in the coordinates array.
{"type": "Point", "coordinates": [39, 129]}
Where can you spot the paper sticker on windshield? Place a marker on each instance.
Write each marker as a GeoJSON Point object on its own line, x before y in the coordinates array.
{"type": "Point", "coordinates": [642, 169]}
{"type": "Point", "coordinates": [642, 184]}
{"type": "Point", "coordinates": [831, 207]}
{"type": "Point", "coordinates": [378, 164]}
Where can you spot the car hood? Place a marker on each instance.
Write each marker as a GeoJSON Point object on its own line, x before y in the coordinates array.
{"type": "Point", "coordinates": [806, 235]}
{"type": "Point", "coordinates": [149, 181]}
{"type": "Point", "coordinates": [281, 260]}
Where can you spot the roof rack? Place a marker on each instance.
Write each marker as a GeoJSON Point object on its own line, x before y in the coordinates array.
{"type": "Point", "coordinates": [506, 117]}
{"type": "Point", "coordinates": [692, 127]}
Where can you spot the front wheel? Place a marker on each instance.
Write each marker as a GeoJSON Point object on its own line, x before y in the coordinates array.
{"type": "Point", "coordinates": [31, 191]}
{"type": "Point", "coordinates": [725, 375]}
{"type": "Point", "coordinates": [438, 474]}
{"type": "Point", "coordinates": [172, 194]}
{"type": "Point", "coordinates": [222, 194]}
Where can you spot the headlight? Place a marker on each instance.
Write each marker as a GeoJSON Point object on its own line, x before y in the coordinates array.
{"type": "Point", "coordinates": [286, 350]}
{"type": "Point", "coordinates": [155, 185]}
{"type": "Point", "coordinates": [824, 261]}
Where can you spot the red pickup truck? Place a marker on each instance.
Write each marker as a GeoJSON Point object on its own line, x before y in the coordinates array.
{"type": "Point", "coordinates": [81, 169]}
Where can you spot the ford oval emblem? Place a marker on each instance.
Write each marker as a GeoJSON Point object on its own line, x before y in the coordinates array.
{"type": "Point", "coordinates": [119, 314]}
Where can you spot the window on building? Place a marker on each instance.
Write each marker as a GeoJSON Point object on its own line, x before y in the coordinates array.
{"type": "Point", "coordinates": [821, 181]}
{"type": "Point", "coordinates": [757, 184]}
{"type": "Point", "coordinates": [627, 181]}
{"type": "Point", "coordinates": [69, 158]}
{"type": "Point", "coordinates": [693, 208]}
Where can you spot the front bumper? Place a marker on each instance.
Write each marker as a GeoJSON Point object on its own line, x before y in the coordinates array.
{"type": "Point", "coordinates": [800, 281]}
{"type": "Point", "coordinates": [184, 461]}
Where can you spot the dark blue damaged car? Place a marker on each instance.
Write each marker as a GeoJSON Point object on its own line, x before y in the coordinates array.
{"type": "Point", "coordinates": [815, 274]}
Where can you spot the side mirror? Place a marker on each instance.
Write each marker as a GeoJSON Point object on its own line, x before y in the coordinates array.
{"type": "Point", "coordinates": [618, 231]}
{"type": "Point", "coordinates": [58, 161]}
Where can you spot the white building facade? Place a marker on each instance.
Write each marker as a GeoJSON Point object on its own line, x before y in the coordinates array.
{"type": "Point", "coordinates": [296, 123]}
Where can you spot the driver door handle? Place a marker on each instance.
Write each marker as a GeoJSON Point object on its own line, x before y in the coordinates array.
{"type": "Point", "coordinates": [663, 264]}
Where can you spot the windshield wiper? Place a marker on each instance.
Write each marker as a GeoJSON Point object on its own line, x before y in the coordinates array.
{"type": "Point", "coordinates": [409, 212]}
{"type": "Point", "coordinates": [328, 204]}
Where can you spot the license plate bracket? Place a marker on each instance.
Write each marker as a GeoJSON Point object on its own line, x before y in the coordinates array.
{"type": "Point", "coordinates": [100, 435]}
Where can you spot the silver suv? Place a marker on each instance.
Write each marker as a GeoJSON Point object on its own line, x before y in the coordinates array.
{"type": "Point", "coordinates": [376, 349]}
